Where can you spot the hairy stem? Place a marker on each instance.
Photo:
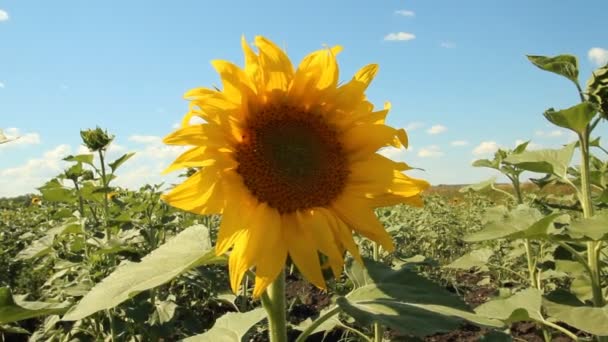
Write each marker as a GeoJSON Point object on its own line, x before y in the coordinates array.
{"type": "Point", "coordinates": [274, 303]}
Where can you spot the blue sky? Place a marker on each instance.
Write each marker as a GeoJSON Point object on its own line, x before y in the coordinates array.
{"type": "Point", "coordinates": [459, 67]}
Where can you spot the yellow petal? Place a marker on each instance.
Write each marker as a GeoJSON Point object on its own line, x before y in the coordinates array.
{"type": "Point", "coordinates": [275, 66]}
{"type": "Point", "coordinates": [359, 215]}
{"type": "Point", "coordinates": [251, 244]}
{"type": "Point", "coordinates": [323, 236]}
{"type": "Point", "coordinates": [237, 213]}
{"type": "Point", "coordinates": [343, 233]}
{"type": "Point", "coordinates": [201, 156]}
{"type": "Point", "coordinates": [199, 135]}
{"type": "Point", "coordinates": [271, 263]}
{"type": "Point", "coordinates": [363, 140]}
{"type": "Point", "coordinates": [236, 84]}
{"type": "Point", "coordinates": [200, 193]}
{"type": "Point", "coordinates": [252, 64]}
{"type": "Point", "coordinates": [303, 249]}
{"type": "Point", "coordinates": [316, 73]}
{"type": "Point", "coordinates": [352, 93]}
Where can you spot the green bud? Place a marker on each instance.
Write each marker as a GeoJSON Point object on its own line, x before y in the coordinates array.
{"type": "Point", "coordinates": [96, 139]}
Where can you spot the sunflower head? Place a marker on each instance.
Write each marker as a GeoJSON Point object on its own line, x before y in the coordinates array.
{"type": "Point", "coordinates": [289, 158]}
{"type": "Point", "coordinates": [111, 195]}
{"type": "Point", "coordinates": [36, 201]}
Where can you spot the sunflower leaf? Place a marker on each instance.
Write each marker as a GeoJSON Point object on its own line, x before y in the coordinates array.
{"type": "Point", "coordinates": [231, 327]}
{"type": "Point", "coordinates": [404, 301]}
{"type": "Point", "coordinates": [12, 309]}
{"type": "Point", "coordinates": [564, 65]}
{"type": "Point", "coordinates": [190, 248]}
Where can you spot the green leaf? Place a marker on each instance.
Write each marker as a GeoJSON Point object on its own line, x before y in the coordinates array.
{"type": "Point", "coordinates": [594, 228]}
{"type": "Point", "coordinates": [575, 118]}
{"type": "Point", "coordinates": [563, 307]}
{"type": "Point", "coordinates": [44, 245]}
{"type": "Point", "coordinates": [165, 310]}
{"type": "Point", "coordinates": [404, 301]}
{"type": "Point", "coordinates": [82, 158]}
{"type": "Point", "coordinates": [521, 223]}
{"type": "Point", "coordinates": [492, 164]}
{"type": "Point", "coordinates": [521, 147]}
{"type": "Point", "coordinates": [190, 248]}
{"type": "Point", "coordinates": [118, 162]}
{"type": "Point", "coordinates": [483, 185]}
{"type": "Point", "coordinates": [477, 258]}
{"type": "Point", "coordinates": [54, 191]}
{"type": "Point", "coordinates": [565, 65]}
{"type": "Point", "coordinates": [12, 309]}
{"type": "Point", "coordinates": [553, 161]}
{"type": "Point", "coordinates": [522, 306]}
{"type": "Point", "coordinates": [327, 326]}
{"type": "Point", "coordinates": [231, 327]}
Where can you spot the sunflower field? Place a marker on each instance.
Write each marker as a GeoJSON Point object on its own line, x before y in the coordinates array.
{"type": "Point", "coordinates": [289, 224]}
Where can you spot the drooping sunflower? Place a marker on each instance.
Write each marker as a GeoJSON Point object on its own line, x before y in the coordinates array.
{"type": "Point", "coordinates": [289, 158]}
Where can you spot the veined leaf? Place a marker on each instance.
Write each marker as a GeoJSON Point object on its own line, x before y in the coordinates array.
{"type": "Point", "coordinates": [593, 228]}
{"type": "Point", "coordinates": [483, 185]}
{"type": "Point", "coordinates": [522, 306]}
{"type": "Point", "coordinates": [553, 161]}
{"type": "Point", "coordinates": [404, 301]}
{"type": "Point", "coordinates": [521, 223]}
{"type": "Point", "coordinates": [575, 118]}
{"type": "Point", "coordinates": [563, 307]}
{"type": "Point", "coordinates": [477, 258]}
{"type": "Point", "coordinates": [565, 65]}
{"type": "Point", "coordinates": [82, 158]}
{"type": "Point", "coordinates": [13, 309]}
{"type": "Point", "coordinates": [231, 327]}
{"type": "Point", "coordinates": [190, 248]}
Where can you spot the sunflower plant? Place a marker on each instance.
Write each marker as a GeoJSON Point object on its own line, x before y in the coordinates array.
{"type": "Point", "coordinates": [289, 158]}
{"type": "Point", "coordinates": [562, 241]}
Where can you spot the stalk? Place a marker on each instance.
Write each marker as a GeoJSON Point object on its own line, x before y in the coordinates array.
{"type": "Point", "coordinates": [304, 335]}
{"type": "Point", "coordinates": [80, 200]}
{"type": "Point", "coordinates": [105, 194]}
{"type": "Point", "coordinates": [378, 329]}
{"type": "Point", "coordinates": [274, 304]}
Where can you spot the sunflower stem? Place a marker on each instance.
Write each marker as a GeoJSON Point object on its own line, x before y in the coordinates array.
{"type": "Point", "coordinates": [378, 329]}
{"type": "Point", "coordinates": [274, 303]}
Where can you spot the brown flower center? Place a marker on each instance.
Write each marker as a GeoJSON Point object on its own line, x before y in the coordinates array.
{"type": "Point", "coordinates": [291, 159]}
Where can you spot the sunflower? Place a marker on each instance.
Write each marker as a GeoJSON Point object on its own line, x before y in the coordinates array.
{"type": "Point", "coordinates": [289, 158]}
{"type": "Point", "coordinates": [36, 201]}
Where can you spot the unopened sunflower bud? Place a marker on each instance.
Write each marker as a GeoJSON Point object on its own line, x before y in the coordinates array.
{"type": "Point", "coordinates": [96, 139]}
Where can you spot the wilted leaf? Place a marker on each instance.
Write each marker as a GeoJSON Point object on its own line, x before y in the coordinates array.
{"type": "Point", "coordinates": [189, 249]}
{"type": "Point", "coordinates": [231, 327]}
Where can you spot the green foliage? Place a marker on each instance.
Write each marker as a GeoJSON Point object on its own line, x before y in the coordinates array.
{"type": "Point", "coordinates": [564, 65]}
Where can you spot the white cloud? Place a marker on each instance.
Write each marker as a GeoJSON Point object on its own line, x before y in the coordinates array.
{"type": "Point", "coordinates": [145, 139]}
{"type": "Point", "coordinates": [19, 139]}
{"type": "Point", "coordinates": [598, 56]}
{"type": "Point", "coordinates": [34, 173]}
{"type": "Point", "coordinates": [3, 15]}
{"type": "Point", "coordinates": [405, 13]}
{"type": "Point", "coordinates": [403, 36]}
{"type": "Point", "coordinates": [485, 147]}
{"type": "Point", "coordinates": [1, 85]}
{"type": "Point", "coordinates": [432, 151]}
{"type": "Point", "coordinates": [447, 45]}
{"type": "Point", "coordinates": [436, 129]}
{"type": "Point", "coordinates": [459, 143]}
{"type": "Point", "coordinates": [413, 125]}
